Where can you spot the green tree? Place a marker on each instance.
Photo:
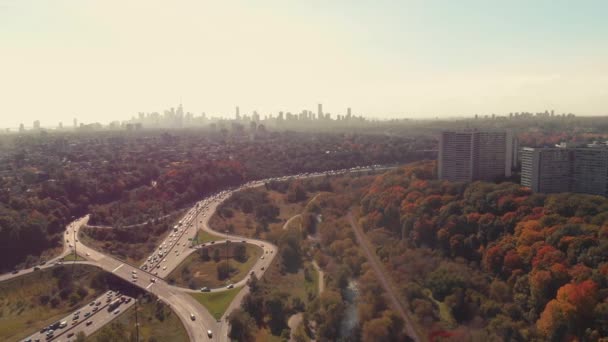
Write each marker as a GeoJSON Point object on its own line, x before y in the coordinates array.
{"type": "Point", "coordinates": [242, 326]}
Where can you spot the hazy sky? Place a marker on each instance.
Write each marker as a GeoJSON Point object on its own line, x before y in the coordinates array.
{"type": "Point", "coordinates": [105, 60]}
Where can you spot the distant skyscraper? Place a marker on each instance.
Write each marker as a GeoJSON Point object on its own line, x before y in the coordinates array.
{"type": "Point", "coordinates": [21, 128]}
{"type": "Point", "coordinates": [470, 155]}
{"type": "Point", "coordinates": [237, 115]}
{"type": "Point", "coordinates": [75, 123]}
{"type": "Point", "coordinates": [37, 124]}
{"type": "Point", "coordinates": [320, 110]}
{"type": "Point", "coordinates": [348, 113]}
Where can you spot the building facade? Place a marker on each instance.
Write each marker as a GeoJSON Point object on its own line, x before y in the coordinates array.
{"type": "Point", "coordinates": [564, 169]}
{"type": "Point", "coordinates": [471, 155]}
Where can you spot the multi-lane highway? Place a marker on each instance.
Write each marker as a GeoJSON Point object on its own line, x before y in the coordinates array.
{"type": "Point", "coordinates": [87, 319]}
{"type": "Point", "coordinates": [173, 250]}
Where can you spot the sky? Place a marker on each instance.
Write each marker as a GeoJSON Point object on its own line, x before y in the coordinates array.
{"type": "Point", "coordinates": [107, 60]}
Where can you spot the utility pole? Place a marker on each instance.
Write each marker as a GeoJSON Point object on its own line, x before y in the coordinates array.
{"type": "Point", "coordinates": [136, 320]}
{"type": "Point", "coordinates": [227, 262]}
{"type": "Point", "coordinates": [74, 262]}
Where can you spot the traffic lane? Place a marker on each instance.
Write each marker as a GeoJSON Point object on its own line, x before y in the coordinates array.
{"type": "Point", "coordinates": [102, 318]}
{"type": "Point", "coordinates": [96, 313]}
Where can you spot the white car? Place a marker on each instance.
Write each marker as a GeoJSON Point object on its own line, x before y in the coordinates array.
{"type": "Point", "coordinates": [209, 334]}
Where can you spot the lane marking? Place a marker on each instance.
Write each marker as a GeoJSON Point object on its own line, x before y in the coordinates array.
{"type": "Point", "coordinates": [119, 266]}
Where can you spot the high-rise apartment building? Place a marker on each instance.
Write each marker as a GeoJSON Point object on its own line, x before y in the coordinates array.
{"type": "Point", "coordinates": [565, 169]}
{"type": "Point", "coordinates": [470, 155]}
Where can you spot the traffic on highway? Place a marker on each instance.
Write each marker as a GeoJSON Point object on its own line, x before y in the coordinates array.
{"type": "Point", "coordinates": [149, 276]}
{"type": "Point", "coordinates": [87, 319]}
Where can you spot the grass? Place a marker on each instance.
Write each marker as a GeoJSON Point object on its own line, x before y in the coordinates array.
{"type": "Point", "coordinates": [70, 257]}
{"type": "Point", "coordinates": [155, 320]}
{"type": "Point", "coordinates": [195, 272]}
{"type": "Point", "coordinates": [246, 224]}
{"type": "Point", "coordinates": [204, 237]}
{"type": "Point", "coordinates": [25, 307]}
{"type": "Point", "coordinates": [216, 302]}
{"type": "Point", "coordinates": [444, 311]}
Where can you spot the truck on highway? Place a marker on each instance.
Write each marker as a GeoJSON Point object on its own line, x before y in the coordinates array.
{"type": "Point", "coordinates": [114, 304]}
{"type": "Point", "coordinates": [63, 324]}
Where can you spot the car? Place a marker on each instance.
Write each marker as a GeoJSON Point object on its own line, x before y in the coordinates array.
{"type": "Point", "coordinates": [92, 303]}
{"type": "Point", "coordinates": [262, 257]}
{"type": "Point", "coordinates": [98, 303]}
{"type": "Point", "coordinates": [205, 289]}
{"type": "Point", "coordinates": [164, 268]}
{"type": "Point", "coordinates": [95, 309]}
{"type": "Point", "coordinates": [134, 280]}
{"type": "Point", "coordinates": [117, 311]}
{"type": "Point", "coordinates": [36, 268]}
{"type": "Point", "coordinates": [70, 334]}
{"type": "Point", "coordinates": [15, 271]}
{"type": "Point", "coordinates": [262, 268]}
{"type": "Point", "coordinates": [75, 318]}
{"type": "Point", "coordinates": [192, 317]}
{"type": "Point", "coordinates": [88, 254]}
{"type": "Point", "coordinates": [89, 323]}
{"type": "Point", "coordinates": [209, 334]}
{"type": "Point", "coordinates": [230, 286]}
{"type": "Point", "coordinates": [87, 314]}
{"type": "Point", "coordinates": [244, 241]}
{"type": "Point", "coordinates": [252, 273]}
{"type": "Point", "coordinates": [42, 262]}
{"type": "Point", "coordinates": [153, 280]}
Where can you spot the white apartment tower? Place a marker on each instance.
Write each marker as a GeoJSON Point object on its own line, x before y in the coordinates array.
{"type": "Point", "coordinates": [470, 155]}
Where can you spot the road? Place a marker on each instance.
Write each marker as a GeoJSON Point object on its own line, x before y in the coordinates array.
{"type": "Point", "coordinates": [381, 275]}
{"type": "Point", "coordinates": [67, 249]}
{"type": "Point", "coordinates": [175, 250]}
{"type": "Point", "coordinates": [77, 321]}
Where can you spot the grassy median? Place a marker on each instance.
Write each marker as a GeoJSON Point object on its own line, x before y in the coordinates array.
{"type": "Point", "coordinates": [201, 268]}
{"type": "Point", "coordinates": [216, 302]}
{"type": "Point", "coordinates": [156, 322]}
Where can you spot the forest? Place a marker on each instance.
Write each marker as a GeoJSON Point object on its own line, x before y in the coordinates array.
{"type": "Point", "coordinates": [491, 260]}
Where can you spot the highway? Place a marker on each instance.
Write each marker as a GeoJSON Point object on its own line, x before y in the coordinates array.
{"type": "Point", "coordinates": [175, 248]}
{"type": "Point", "coordinates": [87, 319]}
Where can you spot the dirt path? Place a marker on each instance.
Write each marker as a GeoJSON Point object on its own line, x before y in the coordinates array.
{"type": "Point", "coordinates": [381, 274]}
{"type": "Point", "coordinates": [293, 322]}
{"type": "Point", "coordinates": [289, 221]}
{"type": "Point", "coordinates": [321, 277]}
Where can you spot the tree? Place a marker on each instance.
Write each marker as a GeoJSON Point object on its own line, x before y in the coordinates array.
{"type": "Point", "coordinates": [275, 307]}
{"type": "Point", "coordinates": [223, 270]}
{"type": "Point", "coordinates": [242, 326]}
{"type": "Point", "coordinates": [240, 252]}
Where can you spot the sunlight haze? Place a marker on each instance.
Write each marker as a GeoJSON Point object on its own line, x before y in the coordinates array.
{"type": "Point", "coordinates": [108, 60]}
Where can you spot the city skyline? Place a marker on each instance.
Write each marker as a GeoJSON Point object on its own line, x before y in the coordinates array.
{"type": "Point", "coordinates": [105, 61]}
